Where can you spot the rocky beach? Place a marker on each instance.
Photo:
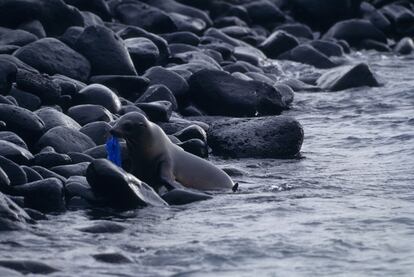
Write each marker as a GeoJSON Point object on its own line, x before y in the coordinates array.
{"type": "Point", "coordinates": [307, 105]}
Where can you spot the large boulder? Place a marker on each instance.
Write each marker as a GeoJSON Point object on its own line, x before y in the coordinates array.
{"type": "Point", "coordinates": [52, 56]}
{"type": "Point", "coordinates": [219, 93]}
{"type": "Point", "coordinates": [99, 95]}
{"type": "Point", "coordinates": [105, 51]}
{"type": "Point", "coordinates": [348, 76]}
{"type": "Point", "coordinates": [119, 188]}
{"type": "Point", "coordinates": [263, 137]}
{"type": "Point", "coordinates": [12, 217]}
{"type": "Point", "coordinates": [354, 31]}
{"type": "Point", "coordinates": [65, 140]}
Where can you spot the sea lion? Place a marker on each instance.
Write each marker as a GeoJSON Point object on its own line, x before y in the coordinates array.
{"type": "Point", "coordinates": [158, 162]}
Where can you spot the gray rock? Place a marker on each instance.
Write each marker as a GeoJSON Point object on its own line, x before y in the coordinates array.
{"type": "Point", "coordinates": [12, 217]}
{"type": "Point", "coordinates": [54, 118]}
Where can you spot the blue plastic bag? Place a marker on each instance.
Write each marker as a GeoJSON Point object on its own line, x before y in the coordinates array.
{"type": "Point", "coordinates": [113, 148]}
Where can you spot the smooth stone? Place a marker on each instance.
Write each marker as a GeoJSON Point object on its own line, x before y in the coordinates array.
{"type": "Point", "coordinates": [182, 37]}
{"type": "Point", "coordinates": [15, 153]}
{"type": "Point", "coordinates": [242, 67]}
{"type": "Point", "coordinates": [8, 49]}
{"type": "Point", "coordinates": [265, 137]}
{"type": "Point", "coordinates": [40, 85]}
{"type": "Point", "coordinates": [278, 43]}
{"type": "Point", "coordinates": [12, 217]}
{"type": "Point", "coordinates": [144, 53]}
{"type": "Point", "coordinates": [112, 258]}
{"type": "Point", "coordinates": [28, 266]}
{"type": "Point", "coordinates": [14, 172]}
{"type": "Point", "coordinates": [191, 132]}
{"type": "Point", "coordinates": [219, 93]}
{"type": "Point", "coordinates": [87, 113]}
{"type": "Point", "coordinates": [370, 44]}
{"type": "Point", "coordinates": [23, 122]}
{"type": "Point", "coordinates": [35, 27]}
{"type": "Point", "coordinates": [98, 94]}
{"type": "Point", "coordinates": [348, 76]}
{"type": "Point", "coordinates": [177, 124]}
{"type": "Point", "coordinates": [177, 84]}
{"type": "Point", "coordinates": [187, 23]}
{"type": "Point", "coordinates": [328, 48]}
{"type": "Point", "coordinates": [126, 86]}
{"type": "Point", "coordinates": [91, 19]}
{"type": "Point", "coordinates": [8, 72]}
{"type": "Point", "coordinates": [79, 157]}
{"type": "Point", "coordinates": [195, 146]}
{"type": "Point", "coordinates": [144, 16]}
{"type": "Point", "coordinates": [98, 7]}
{"type": "Point", "coordinates": [103, 227]}
{"type": "Point", "coordinates": [51, 56]}
{"type": "Point", "coordinates": [405, 46]}
{"type": "Point", "coordinates": [106, 52]}
{"type": "Point", "coordinates": [54, 118]}
{"type": "Point", "coordinates": [71, 169]}
{"type": "Point", "coordinates": [264, 12]}
{"type": "Point", "coordinates": [51, 159]}
{"type": "Point", "coordinates": [308, 55]}
{"type": "Point", "coordinates": [121, 189]}
{"type": "Point", "coordinates": [183, 197]}
{"type": "Point", "coordinates": [401, 18]}
{"type": "Point", "coordinates": [354, 31]}
{"type": "Point", "coordinates": [12, 137]}
{"type": "Point", "coordinates": [36, 215]}
{"type": "Point", "coordinates": [18, 63]}
{"type": "Point", "coordinates": [71, 35]}
{"type": "Point", "coordinates": [159, 111]}
{"type": "Point", "coordinates": [65, 140]}
{"type": "Point", "coordinates": [46, 173]}
{"type": "Point", "coordinates": [97, 131]}
{"type": "Point", "coordinates": [32, 175]}
{"type": "Point", "coordinates": [25, 99]}
{"type": "Point", "coordinates": [15, 37]}
{"type": "Point", "coordinates": [297, 30]}
{"type": "Point", "coordinates": [158, 93]}
{"type": "Point", "coordinates": [45, 195]}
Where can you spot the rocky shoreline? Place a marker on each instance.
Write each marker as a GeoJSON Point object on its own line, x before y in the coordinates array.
{"type": "Point", "coordinates": [69, 69]}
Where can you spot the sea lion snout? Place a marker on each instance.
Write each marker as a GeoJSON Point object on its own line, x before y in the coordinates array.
{"type": "Point", "coordinates": [116, 132]}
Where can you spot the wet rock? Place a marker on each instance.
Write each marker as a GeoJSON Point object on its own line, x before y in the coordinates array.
{"type": "Point", "coordinates": [36, 215]}
{"type": "Point", "coordinates": [354, 31]}
{"type": "Point", "coordinates": [65, 140]}
{"type": "Point", "coordinates": [84, 114]}
{"type": "Point", "coordinates": [71, 169]}
{"type": "Point", "coordinates": [177, 84]}
{"type": "Point", "coordinates": [103, 228]}
{"type": "Point", "coordinates": [99, 95]}
{"type": "Point", "coordinates": [126, 86]}
{"type": "Point", "coordinates": [39, 84]}
{"type": "Point", "coordinates": [71, 35]}
{"type": "Point", "coordinates": [158, 93]}
{"type": "Point", "coordinates": [348, 76]}
{"type": "Point", "coordinates": [297, 30]}
{"type": "Point", "coordinates": [12, 137]}
{"type": "Point", "coordinates": [264, 12]}
{"type": "Point", "coordinates": [328, 48]}
{"type": "Point", "coordinates": [21, 121]}
{"type": "Point", "coordinates": [45, 195]}
{"type": "Point", "coordinates": [51, 56]}
{"type": "Point", "coordinates": [8, 49]}
{"type": "Point", "coordinates": [144, 53]}
{"type": "Point", "coordinates": [121, 190]}
{"type": "Point", "coordinates": [219, 93]}
{"type": "Point", "coordinates": [105, 51]}
{"type": "Point", "coordinates": [35, 27]}
{"type": "Point", "coordinates": [18, 63]}
{"type": "Point", "coordinates": [15, 37]}
{"type": "Point", "coordinates": [182, 37]}
{"type": "Point", "coordinates": [25, 99]}
{"type": "Point", "coordinates": [370, 44]}
{"type": "Point", "coordinates": [14, 172]}
{"type": "Point", "coordinates": [15, 153]}
{"type": "Point", "coordinates": [195, 146]}
{"type": "Point", "coordinates": [51, 159]}
{"type": "Point", "coordinates": [157, 111]}
{"type": "Point", "coordinates": [97, 131]}
{"type": "Point", "coordinates": [162, 45]}
{"type": "Point", "coordinates": [405, 46]}
{"type": "Point", "coordinates": [8, 73]}
{"type": "Point", "coordinates": [112, 258]}
{"type": "Point", "coordinates": [46, 173]}
{"type": "Point", "coordinates": [191, 132]}
{"type": "Point", "coordinates": [278, 43]}
{"type": "Point", "coordinates": [183, 197]}
{"type": "Point", "coordinates": [144, 16]}
{"type": "Point", "coordinates": [265, 137]}
{"type": "Point", "coordinates": [91, 19]}
{"type": "Point", "coordinates": [308, 55]}
{"type": "Point", "coordinates": [28, 266]}
{"type": "Point", "coordinates": [401, 18]}
{"type": "Point", "coordinates": [79, 157]}
{"type": "Point", "coordinates": [54, 118]}
{"type": "Point", "coordinates": [32, 175]}
{"type": "Point", "coordinates": [12, 217]}
{"type": "Point", "coordinates": [187, 23]}
{"type": "Point", "coordinates": [99, 7]}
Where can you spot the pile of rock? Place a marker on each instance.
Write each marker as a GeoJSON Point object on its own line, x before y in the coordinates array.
{"type": "Point", "coordinates": [69, 69]}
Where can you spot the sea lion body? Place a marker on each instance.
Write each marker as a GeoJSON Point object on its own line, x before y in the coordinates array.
{"type": "Point", "coordinates": [157, 161]}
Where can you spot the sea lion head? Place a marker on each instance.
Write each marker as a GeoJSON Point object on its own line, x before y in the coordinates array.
{"type": "Point", "coordinates": [133, 127]}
